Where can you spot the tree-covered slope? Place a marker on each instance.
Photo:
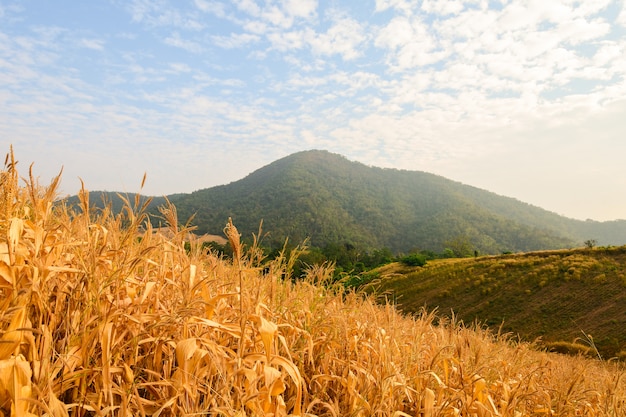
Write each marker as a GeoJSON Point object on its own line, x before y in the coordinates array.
{"type": "Point", "coordinates": [324, 196]}
{"type": "Point", "coordinates": [329, 199]}
{"type": "Point", "coordinates": [605, 233]}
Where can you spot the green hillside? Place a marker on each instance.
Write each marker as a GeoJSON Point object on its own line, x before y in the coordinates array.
{"type": "Point", "coordinates": [331, 200]}
{"type": "Point", "coordinates": [325, 197]}
{"type": "Point", "coordinates": [559, 296]}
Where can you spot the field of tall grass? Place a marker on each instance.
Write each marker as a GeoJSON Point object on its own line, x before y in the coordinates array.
{"type": "Point", "coordinates": [102, 315]}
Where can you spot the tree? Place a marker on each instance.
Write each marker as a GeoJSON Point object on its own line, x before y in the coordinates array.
{"type": "Point", "coordinates": [590, 243]}
{"type": "Point", "coordinates": [460, 246]}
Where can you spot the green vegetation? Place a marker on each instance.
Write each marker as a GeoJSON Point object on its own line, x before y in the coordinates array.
{"type": "Point", "coordinates": [567, 296]}
{"type": "Point", "coordinates": [414, 259]}
{"type": "Point", "coordinates": [331, 201]}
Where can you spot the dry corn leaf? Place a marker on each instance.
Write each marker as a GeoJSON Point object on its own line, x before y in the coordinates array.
{"type": "Point", "coordinates": [192, 275]}
{"type": "Point", "coordinates": [211, 303]}
{"type": "Point", "coordinates": [15, 232]}
{"type": "Point", "coordinates": [268, 331]}
{"type": "Point", "coordinates": [294, 373]}
{"type": "Point", "coordinates": [107, 335]}
{"type": "Point", "coordinates": [271, 374]}
{"type": "Point", "coordinates": [482, 410]}
{"type": "Point", "coordinates": [63, 269]}
{"type": "Point", "coordinates": [6, 273]}
{"type": "Point", "coordinates": [428, 403]}
{"type": "Point", "coordinates": [4, 253]}
{"type": "Point", "coordinates": [15, 384]}
{"type": "Point", "coordinates": [13, 336]}
{"type": "Point", "coordinates": [129, 375]}
{"type": "Point", "coordinates": [277, 388]}
{"type": "Point", "coordinates": [149, 287]}
{"type": "Point", "coordinates": [480, 390]}
{"type": "Point", "coordinates": [56, 407]}
{"type": "Point", "coordinates": [5, 379]}
{"type": "Point", "coordinates": [185, 350]}
{"type": "Point", "coordinates": [281, 407]}
{"type": "Point", "coordinates": [233, 330]}
{"type": "Point", "coordinates": [72, 359]}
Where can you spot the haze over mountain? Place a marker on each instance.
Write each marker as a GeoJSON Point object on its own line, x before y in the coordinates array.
{"type": "Point", "coordinates": [327, 198]}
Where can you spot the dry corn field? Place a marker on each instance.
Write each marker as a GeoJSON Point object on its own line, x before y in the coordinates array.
{"type": "Point", "coordinates": [100, 315]}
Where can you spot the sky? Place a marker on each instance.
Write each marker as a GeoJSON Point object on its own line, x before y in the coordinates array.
{"type": "Point", "coordinates": [524, 98]}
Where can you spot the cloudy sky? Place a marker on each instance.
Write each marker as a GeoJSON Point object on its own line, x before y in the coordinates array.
{"type": "Point", "coordinates": [525, 98]}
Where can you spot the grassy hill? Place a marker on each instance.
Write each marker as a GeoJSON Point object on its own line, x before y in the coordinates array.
{"type": "Point", "coordinates": [559, 296]}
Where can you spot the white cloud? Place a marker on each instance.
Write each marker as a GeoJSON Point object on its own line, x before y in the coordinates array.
{"type": "Point", "coordinates": [235, 40]}
{"type": "Point", "coordinates": [95, 44]}
{"type": "Point", "coordinates": [343, 38]}
{"type": "Point", "coordinates": [298, 81]}
{"type": "Point", "coordinates": [281, 15]}
{"type": "Point", "coordinates": [140, 9]}
{"type": "Point", "coordinates": [342, 84]}
{"type": "Point", "coordinates": [396, 34]}
{"type": "Point", "coordinates": [592, 7]}
{"type": "Point", "coordinates": [276, 17]}
{"type": "Point", "coordinates": [358, 80]}
{"type": "Point", "coordinates": [179, 68]}
{"type": "Point", "coordinates": [409, 44]}
{"type": "Point", "coordinates": [300, 8]}
{"type": "Point", "coordinates": [248, 6]}
{"type": "Point", "coordinates": [256, 26]}
{"type": "Point", "coordinates": [580, 30]}
{"type": "Point", "coordinates": [158, 13]}
{"type": "Point", "coordinates": [179, 42]}
{"type": "Point", "coordinates": [470, 24]}
{"type": "Point", "coordinates": [205, 80]}
{"type": "Point", "coordinates": [215, 7]}
{"type": "Point", "coordinates": [403, 5]}
{"type": "Point", "coordinates": [609, 52]}
{"type": "Point", "coordinates": [287, 41]}
{"type": "Point", "coordinates": [443, 7]}
{"type": "Point", "coordinates": [621, 17]}
{"type": "Point", "coordinates": [306, 64]}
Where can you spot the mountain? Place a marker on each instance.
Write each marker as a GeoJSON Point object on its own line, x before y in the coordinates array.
{"type": "Point", "coordinates": [329, 199]}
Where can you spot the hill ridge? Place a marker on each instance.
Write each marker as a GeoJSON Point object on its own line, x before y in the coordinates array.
{"type": "Point", "coordinates": [324, 196]}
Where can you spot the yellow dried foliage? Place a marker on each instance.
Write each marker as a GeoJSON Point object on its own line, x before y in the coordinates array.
{"type": "Point", "coordinates": [100, 314]}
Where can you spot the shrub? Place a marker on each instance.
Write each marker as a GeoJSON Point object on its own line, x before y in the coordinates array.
{"type": "Point", "coordinates": [414, 259]}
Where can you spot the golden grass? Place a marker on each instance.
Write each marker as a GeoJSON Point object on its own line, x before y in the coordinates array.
{"type": "Point", "coordinates": [97, 321]}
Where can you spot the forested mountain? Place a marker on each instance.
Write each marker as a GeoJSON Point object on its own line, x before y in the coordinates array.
{"type": "Point", "coordinates": [329, 199]}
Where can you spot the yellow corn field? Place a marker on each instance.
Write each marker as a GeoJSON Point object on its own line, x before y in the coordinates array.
{"type": "Point", "coordinates": [102, 315]}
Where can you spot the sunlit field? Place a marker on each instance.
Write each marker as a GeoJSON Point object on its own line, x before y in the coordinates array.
{"type": "Point", "coordinates": [100, 314]}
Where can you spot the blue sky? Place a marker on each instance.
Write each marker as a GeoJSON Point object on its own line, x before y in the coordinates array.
{"type": "Point", "coordinates": [523, 98]}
